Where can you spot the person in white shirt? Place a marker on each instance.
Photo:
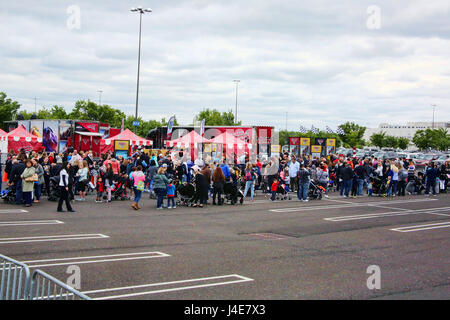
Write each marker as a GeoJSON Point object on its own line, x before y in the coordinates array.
{"type": "Point", "coordinates": [64, 188]}
{"type": "Point", "coordinates": [294, 167]}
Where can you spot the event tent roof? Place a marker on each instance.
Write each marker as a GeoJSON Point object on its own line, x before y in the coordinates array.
{"type": "Point", "coordinates": [191, 138]}
{"type": "Point", "coordinates": [20, 133]}
{"type": "Point", "coordinates": [130, 136]}
{"type": "Point", "coordinates": [230, 140]}
{"type": "Point", "coordinates": [2, 132]}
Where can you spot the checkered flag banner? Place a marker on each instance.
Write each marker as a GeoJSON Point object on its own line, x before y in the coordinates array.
{"type": "Point", "coordinates": [314, 130]}
{"type": "Point", "coordinates": [340, 131]}
{"type": "Point", "coordinates": [303, 129]}
{"type": "Point", "coordinates": [329, 130]}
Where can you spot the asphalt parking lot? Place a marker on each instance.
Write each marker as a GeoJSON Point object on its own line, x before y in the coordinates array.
{"type": "Point", "coordinates": [262, 250]}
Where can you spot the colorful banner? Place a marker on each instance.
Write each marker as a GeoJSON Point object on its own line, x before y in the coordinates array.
{"type": "Point", "coordinates": [294, 141]}
{"type": "Point", "coordinates": [122, 145]}
{"type": "Point", "coordinates": [316, 149]}
{"type": "Point", "coordinates": [331, 142]}
{"type": "Point", "coordinates": [170, 127]}
{"type": "Point", "coordinates": [86, 126]}
{"type": "Point", "coordinates": [25, 123]}
{"type": "Point", "coordinates": [323, 143]}
{"type": "Point", "coordinates": [331, 146]}
{"type": "Point", "coordinates": [36, 127]}
{"type": "Point", "coordinates": [202, 128]}
{"type": "Point", "coordinates": [275, 148]}
{"type": "Point", "coordinates": [305, 141]}
{"type": "Point", "coordinates": [50, 136]}
{"type": "Point", "coordinates": [65, 130]}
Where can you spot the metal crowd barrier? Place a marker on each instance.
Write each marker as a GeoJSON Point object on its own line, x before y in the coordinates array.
{"type": "Point", "coordinates": [14, 281]}
{"type": "Point", "coordinates": [17, 283]}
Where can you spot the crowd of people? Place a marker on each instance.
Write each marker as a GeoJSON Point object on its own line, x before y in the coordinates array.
{"type": "Point", "coordinates": [69, 176]}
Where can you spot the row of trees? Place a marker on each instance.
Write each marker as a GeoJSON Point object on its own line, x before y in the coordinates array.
{"type": "Point", "coordinates": [381, 140]}
{"type": "Point", "coordinates": [438, 139]}
{"type": "Point", "coordinates": [83, 110]}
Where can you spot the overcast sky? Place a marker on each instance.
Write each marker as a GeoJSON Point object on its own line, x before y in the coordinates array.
{"type": "Point", "coordinates": [322, 62]}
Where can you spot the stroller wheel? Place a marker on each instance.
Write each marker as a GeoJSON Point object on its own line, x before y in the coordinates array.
{"type": "Point", "coordinates": [241, 201]}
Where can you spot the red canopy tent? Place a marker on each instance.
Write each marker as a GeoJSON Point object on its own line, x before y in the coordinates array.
{"type": "Point", "coordinates": [18, 139]}
{"type": "Point", "coordinates": [108, 144]}
{"type": "Point", "coordinates": [230, 142]}
{"type": "Point", "coordinates": [188, 141]}
{"type": "Point", "coordinates": [2, 132]}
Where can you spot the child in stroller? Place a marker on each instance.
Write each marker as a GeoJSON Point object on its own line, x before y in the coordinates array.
{"type": "Point", "coordinates": [416, 184]}
{"type": "Point", "coordinates": [186, 193]}
{"type": "Point", "coordinates": [315, 191]}
{"type": "Point", "coordinates": [379, 186]}
{"type": "Point", "coordinates": [54, 192]}
{"type": "Point", "coordinates": [9, 195]}
{"type": "Point", "coordinates": [232, 192]}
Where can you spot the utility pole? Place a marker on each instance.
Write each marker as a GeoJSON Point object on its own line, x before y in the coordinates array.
{"type": "Point", "coordinates": [99, 97]}
{"type": "Point", "coordinates": [35, 104]}
{"type": "Point", "coordinates": [434, 106]}
{"type": "Point", "coordinates": [237, 83]}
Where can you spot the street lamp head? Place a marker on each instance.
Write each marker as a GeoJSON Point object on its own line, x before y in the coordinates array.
{"type": "Point", "coordinates": [148, 10]}
{"type": "Point", "coordinates": [133, 9]}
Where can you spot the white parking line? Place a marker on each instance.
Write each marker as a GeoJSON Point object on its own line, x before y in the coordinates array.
{"type": "Point", "coordinates": [386, 214]}
{"type": "Point", "coordinates": [13, 211]}
{"type": "Point", "coordinates": [238, 279]}
{"type": "Point", "coordinates": [96, 259]}
{"type": "Point", "coordinates": [423, 227]}
{"type": "Point", "coordinates": [53, 238]}
{"type": "Point", "coordinates": [350, 205]}
{"type": "Point", "coordinates": [28, 223]}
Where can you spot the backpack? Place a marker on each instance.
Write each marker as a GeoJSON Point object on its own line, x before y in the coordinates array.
{"type": "Point", "coordinates": [140, 186]}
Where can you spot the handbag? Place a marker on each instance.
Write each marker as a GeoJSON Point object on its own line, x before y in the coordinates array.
{"type": "Point", "coordinates": [33, 178]}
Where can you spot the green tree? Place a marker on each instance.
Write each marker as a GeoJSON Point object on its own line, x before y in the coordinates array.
{"type": "Point", "coordinates": [403, 143]}
{"type": "Point", "coordinates": [391, 142]}
{"type": "Point", "coordinates": [8, 108]}
{"type": "Point", "coordinates": [353, 135]}
{"type": "Point", "coordinates": [441, 139]}
{"type": "Point", "coordinates": [215, 118]}
{"type": "Point", "coordinates": [89, 110]}
{"type": "Point", "coordinates": [378, 139]}
{"type": "Point", "coordinates": [423, 139]}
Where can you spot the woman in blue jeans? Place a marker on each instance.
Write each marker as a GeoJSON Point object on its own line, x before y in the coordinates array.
{"type": "Point", "coordinates": [393, 180]}
{"type": "Point", "coordinates": [160, 183]}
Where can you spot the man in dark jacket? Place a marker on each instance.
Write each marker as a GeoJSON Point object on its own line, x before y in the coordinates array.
{"type": "Point", "coordinates": [304, 178]}
{"type": "Point", "coordinates": [347, 179]}
{"type": "Point", "coordinates": [18, 167]}
{"type": "Point", "coordinates": [431, 175]}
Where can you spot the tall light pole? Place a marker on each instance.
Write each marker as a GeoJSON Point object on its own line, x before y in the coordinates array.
{"type": "Point", "coordinates": [434, 106]}
{"type": "Point", "coordinates": [35, 105]}
{"type": "Point", "coordinates": [237, 83]}
{"type": "Point", "coordinates": [141, 12]}
{"type": "Point", "coordinates": [99, 97]}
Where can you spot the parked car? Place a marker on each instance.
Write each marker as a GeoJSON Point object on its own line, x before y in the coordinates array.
{"type": "Point", "coordinates": [424, 159]}
{"type": "Point", "coordinates": [442, 159]}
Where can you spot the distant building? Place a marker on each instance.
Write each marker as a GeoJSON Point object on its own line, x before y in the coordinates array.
{"type": "Point", "coordinates": [404, 131]}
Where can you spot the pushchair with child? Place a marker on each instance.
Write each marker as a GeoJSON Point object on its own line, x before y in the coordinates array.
{"type": "Point", "coordinates": [9, 195]}
{"type": "Point", "coordinates": [54, 193]}
{"type": "Point", "coordinates": [232, 193]}
{"type": "Point", "coordinates": [186, 194]}
{"type": "Point", "coordinates": [315, 191]}
{"type": "Point", "coordinates": [379, 187]}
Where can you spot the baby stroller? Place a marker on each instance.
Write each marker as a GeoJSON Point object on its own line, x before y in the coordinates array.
{"type": "Point", "coordinates": [415, 185]}
{"type": "Point", "coordinates": [9, 195]}
{"type": "Point", "coordinates": [282, 192]}
{"type": "Point", "coordinates": [186, 194]}
{"type": "Point", "coordinates": [232, 193]}
{"type": "Point", "coordinates": [315, 191]}
{"type": "Point", "coordinates": [379, 187]}
{"type": "Point", "coordinates": [119, 191]}
{"type": "Point", "coordinates": [54, 193]}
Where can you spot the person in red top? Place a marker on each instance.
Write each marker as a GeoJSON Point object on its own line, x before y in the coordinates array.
{"type": "Point", "coordinates": [115, 165]}
{"type": "Point", "coordinates": [274, 189]}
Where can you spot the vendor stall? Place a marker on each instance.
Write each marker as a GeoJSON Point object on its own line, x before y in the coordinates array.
{"type": "Point", "coordinates": [126, 135]}
{"type": "Point", "coordinates": [19, 139]}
